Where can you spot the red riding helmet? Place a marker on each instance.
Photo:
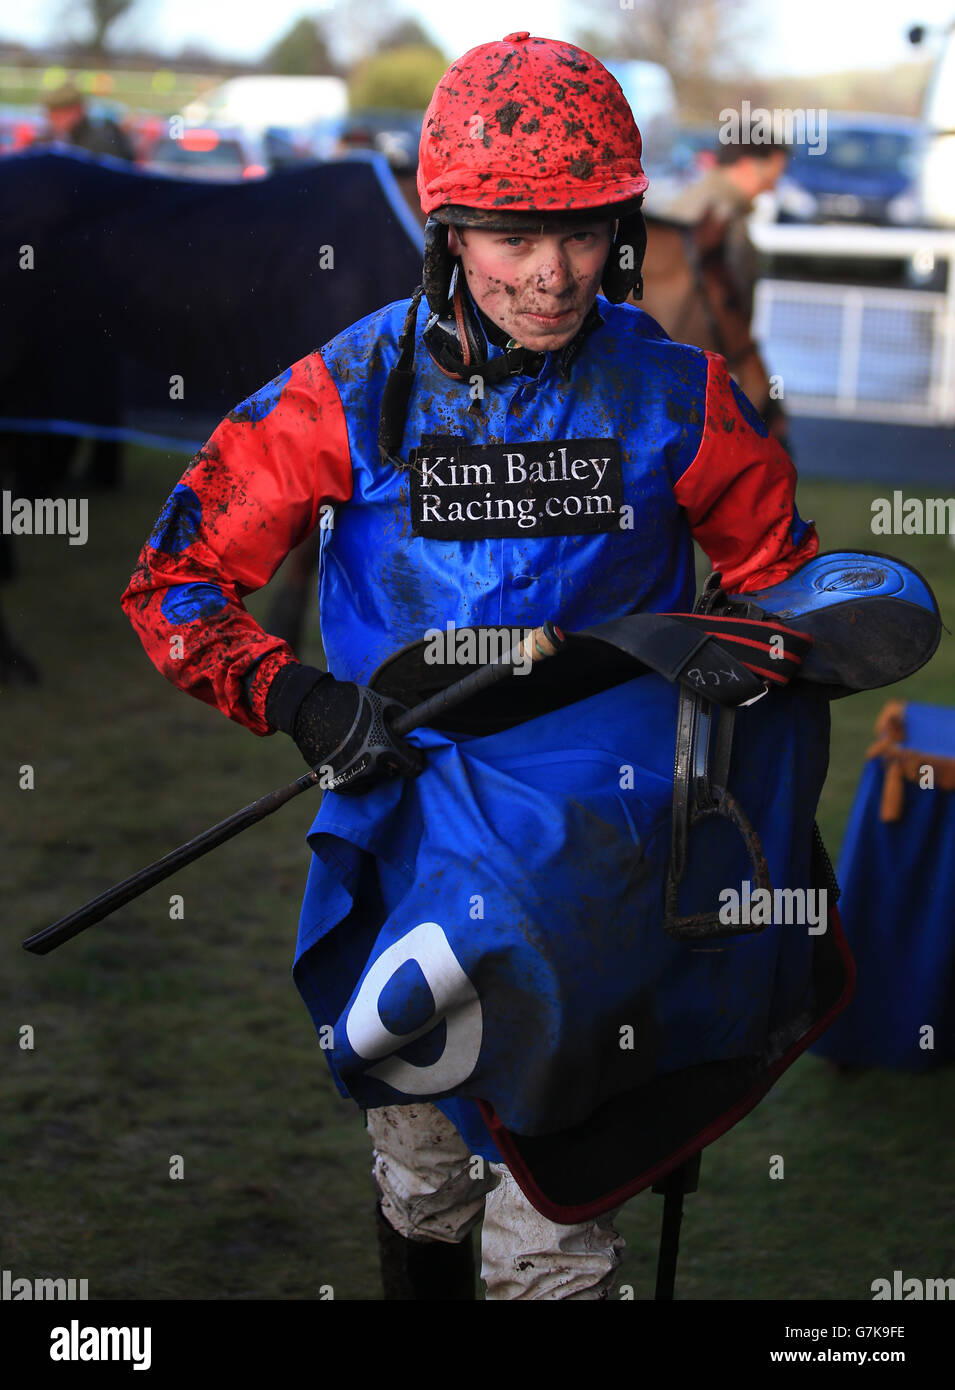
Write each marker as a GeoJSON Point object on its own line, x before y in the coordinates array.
{"type": "Point", "coordinates": [528, 130]}
{"type": "Point", "coordinates": [528, 124]}
{"type": "Point", "coordinates": [518, 134]}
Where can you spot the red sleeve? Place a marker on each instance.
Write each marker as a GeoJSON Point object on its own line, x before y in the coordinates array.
{"type": "Point", "coordinates": [739, 493]}
{"type": "Point", "coordinates": [247, 498]}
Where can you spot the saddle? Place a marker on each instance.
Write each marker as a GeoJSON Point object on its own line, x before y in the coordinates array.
{"type": "Point", "coordinates": [844, 621]}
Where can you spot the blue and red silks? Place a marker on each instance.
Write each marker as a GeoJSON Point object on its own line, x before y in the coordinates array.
{"type": "Point", "coordinates": [493, 929]}
{"type": "Point", "coordinates": [670, 452]}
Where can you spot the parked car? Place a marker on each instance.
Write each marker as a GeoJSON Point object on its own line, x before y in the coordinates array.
{"type": "Point", "coordinates": [145, 129]}
{"type": "Point", "coordinates": [866, 173]}
{"type": "Point", "coordinates": [19, 127]}
{"type": "Point", "coordinates": [395, 134]}
{"type": "Point", "coordinates": [286, 147]}
{"type": "Point", "coordinates": [209, 152]}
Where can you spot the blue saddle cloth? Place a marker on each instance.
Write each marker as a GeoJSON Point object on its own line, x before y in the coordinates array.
{"type": "Point", "coordinates": [493, 929]}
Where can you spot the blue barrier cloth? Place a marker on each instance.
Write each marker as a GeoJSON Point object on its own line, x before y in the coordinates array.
{"type": "Point", "coordinates": [155, 303]}
{"type": "Point", "coordinates": [930, 729]}
{"type": "Point", "coordinates": [488, 929]}
{"type": "Point", "coordinates": [898, 911]}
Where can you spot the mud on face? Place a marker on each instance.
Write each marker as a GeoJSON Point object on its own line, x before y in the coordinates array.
{"type": "Point", "coordinates": [538, 286]}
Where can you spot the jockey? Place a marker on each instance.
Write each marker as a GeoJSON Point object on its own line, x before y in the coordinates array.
{"type": "Point", "coordinates": [508, 446]}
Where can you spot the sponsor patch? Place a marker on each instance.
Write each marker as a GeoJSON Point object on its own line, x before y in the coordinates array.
{"type": "Point", "coordinates": [472, 491]}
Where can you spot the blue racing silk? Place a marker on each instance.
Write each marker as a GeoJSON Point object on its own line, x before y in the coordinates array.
{"type": "Point", "coordinates": [573, 496]}
{"type": "Point", "coordinates": [584, 511]}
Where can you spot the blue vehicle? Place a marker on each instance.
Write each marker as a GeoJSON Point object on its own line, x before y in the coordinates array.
{"type": "Point", "coordinates": [865, 173]}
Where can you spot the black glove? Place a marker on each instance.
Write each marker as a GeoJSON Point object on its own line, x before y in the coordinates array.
{"type": "Point", "coordinates": [341, 726]}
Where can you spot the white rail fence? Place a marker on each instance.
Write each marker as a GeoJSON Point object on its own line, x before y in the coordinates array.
{"type": "Point", "coordinates": [854, 351]}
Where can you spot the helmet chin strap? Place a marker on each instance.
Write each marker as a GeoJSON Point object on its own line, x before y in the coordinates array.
{"type": "Point", "coordinates": [459, 344]}
{"type": "Point", "coordinates": [471, 335]}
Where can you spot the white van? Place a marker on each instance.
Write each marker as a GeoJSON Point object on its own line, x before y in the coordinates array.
{"type": "Point", "coordinates": [258, 103]}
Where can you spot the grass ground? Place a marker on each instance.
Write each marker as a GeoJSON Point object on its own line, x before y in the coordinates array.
{"type": "Point", "coordinates": [157, 1037]}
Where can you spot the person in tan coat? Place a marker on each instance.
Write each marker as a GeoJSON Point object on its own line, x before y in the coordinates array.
{"type": "Point", "coordinates": [728, 190]}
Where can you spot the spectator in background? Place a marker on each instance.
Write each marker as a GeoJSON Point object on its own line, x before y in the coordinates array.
{"type": "Point", "coordinates": [36, 464]}
{"type": "Point", "coordinates": [728, 189]}
{"type": "Point", "coordinates": [69, 122]}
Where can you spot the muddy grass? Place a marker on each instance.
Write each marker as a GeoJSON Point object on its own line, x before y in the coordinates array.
{"type": "Point", "coordinates": [164, 1042]}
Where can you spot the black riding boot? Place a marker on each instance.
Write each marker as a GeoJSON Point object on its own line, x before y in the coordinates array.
{"type": "Point", "coordinates": [424, 1269]}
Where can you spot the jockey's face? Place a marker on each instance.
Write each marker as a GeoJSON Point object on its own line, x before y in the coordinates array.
{"type": "Point", "coordinates": [538, 285]}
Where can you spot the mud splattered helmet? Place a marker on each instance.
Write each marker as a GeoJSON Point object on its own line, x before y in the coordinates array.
{"type": "Point", "coordinates": [519, 134]}
{"type": "Point", "coordinates": [526, 131]}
